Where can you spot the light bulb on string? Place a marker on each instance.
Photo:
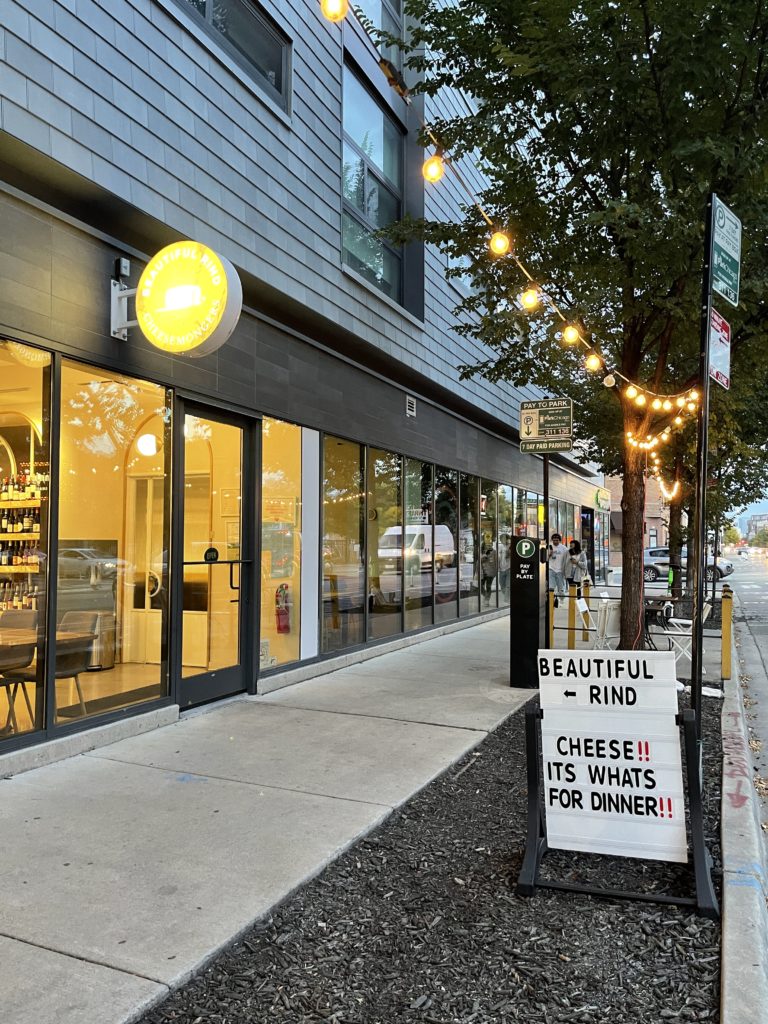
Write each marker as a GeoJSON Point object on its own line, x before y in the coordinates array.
{"type": "Point", "coordinates": [680, 402]}
{"type": "Point", "coordinates": [656, 403]}
{"type": "Point", "coordinates": [500, 243]}
{"type": "Point", "coordinates": [334, 10]}
{"type": "Point", "coordinates": [593, 361]}
{"type": "Point", "coordinates": [678, 421]}
{"type": "Point", "coordinates": [570, 334]}
{"type": "Point", "coordinates": [666, 405]}
{"type": "Point", "coordinates": [640, 399]}
{"type": "Point", "coordinates": [631, 391]}
{"type": "Point", "coordinates": [691, 407]}
{"type": "Point", "coordinates": [609, 381]}
{"type": "Point", "coordinates": [433, 167]}
{"type": "Point", "coordinates": [693, 395]}
{"type": "Point", "coordinates": [530, 298]}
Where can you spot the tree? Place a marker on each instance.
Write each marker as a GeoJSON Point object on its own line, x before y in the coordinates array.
{"type": "Point", "coordinates": [731, 535]}
{"type": "Point", "coordinates": [602, 127]}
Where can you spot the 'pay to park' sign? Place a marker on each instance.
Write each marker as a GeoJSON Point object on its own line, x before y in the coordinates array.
{"type": "Point", "coordinates": [613, 780]}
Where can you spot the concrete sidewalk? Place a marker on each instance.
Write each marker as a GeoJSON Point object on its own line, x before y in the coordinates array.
{"type": "Point", "coordinates": [126, 868]}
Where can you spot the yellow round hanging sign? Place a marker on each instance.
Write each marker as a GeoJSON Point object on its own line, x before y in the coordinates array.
{"type": "Point", "coordinates": [188, 299]}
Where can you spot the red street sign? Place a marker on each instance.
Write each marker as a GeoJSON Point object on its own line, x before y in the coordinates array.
{"type": "Point", "coordinates": [720, 350]}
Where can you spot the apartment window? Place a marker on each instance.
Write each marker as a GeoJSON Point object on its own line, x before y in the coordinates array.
{"type": "Point", "coordinates": [251, 38]}
{"type": "Point", "coordinates": [386, 15]}
{"type": "Point", "coordinates": [372, 186]}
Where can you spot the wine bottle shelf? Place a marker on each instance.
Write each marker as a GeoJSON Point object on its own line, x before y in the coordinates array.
{"type": "Point", "coordinates": [6, 537]}
{"type": "Point", "coordinates": [19, 570]}
{"type": "Point", "coordinates": [26, 503]}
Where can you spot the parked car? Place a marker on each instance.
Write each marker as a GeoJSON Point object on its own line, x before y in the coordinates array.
{"type": "Point", "coordinates": [656, 564]}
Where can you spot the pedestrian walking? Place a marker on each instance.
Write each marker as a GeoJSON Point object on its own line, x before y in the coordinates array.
{"type": "Point", "coordinates": [558, 560]}
{"type": "Point", "coordinates": [577, 568]}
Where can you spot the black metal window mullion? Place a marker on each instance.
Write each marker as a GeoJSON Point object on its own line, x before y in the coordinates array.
{"type": "Point", "coordinates": [51, 595]}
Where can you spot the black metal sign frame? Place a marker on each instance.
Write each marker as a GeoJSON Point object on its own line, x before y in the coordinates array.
{"type": "Point", "coordinates": [705, 901]}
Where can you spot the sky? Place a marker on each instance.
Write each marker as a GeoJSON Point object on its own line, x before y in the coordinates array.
{"type": "Point", "coordinates": [758, 506]}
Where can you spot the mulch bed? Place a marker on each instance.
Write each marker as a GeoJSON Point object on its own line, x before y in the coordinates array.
{"type": "Point", "coordinates": [420, 922]}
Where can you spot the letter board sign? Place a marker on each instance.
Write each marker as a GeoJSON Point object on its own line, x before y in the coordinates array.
{"type": "Point", "coordinates": [613, 779]}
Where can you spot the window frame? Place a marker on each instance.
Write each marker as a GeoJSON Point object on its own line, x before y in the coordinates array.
{"type": "Point", "coordinates": [282, 98]}
{"type": "Point", "coordinates": [349, 208]}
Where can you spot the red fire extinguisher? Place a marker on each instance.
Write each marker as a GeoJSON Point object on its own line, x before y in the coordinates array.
{"type": "Point", "coordinates": [282, 609]}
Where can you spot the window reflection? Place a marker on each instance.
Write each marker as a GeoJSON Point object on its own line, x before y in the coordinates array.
{"type": "Point", "coordinates": [419, 562]}
{"type": "Point", "coordinates": [385, 544]}
{"type": "Point", "coordinates": [489, 552]}
{"type": "Point", "coordinates": [112, 573]}
{"type": "Point", "coordinates": [506, 533]}
{"type": "Point", "coordinates": [469, 546]}
{"type": "Point", "coordinates": [343, 618]}
{"type": "Point", "coordinates": [281, 513]}
{"type": "Point", "coordinates": [446, 544]}
{"type": "Point", "coordinates": [24, 479]}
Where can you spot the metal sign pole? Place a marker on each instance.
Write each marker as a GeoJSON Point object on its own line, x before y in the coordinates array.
{"type": "Point", "coordinates": [547, 525]}
{"type": "Point", "coordinates": [698, 562]}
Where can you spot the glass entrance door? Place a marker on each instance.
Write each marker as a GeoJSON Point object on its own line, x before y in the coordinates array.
{"type": "Point", "coordinates": [216, 574]}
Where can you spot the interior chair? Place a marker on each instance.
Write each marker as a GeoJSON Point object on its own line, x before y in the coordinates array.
{"type": "Point", "coordinates": [18, 618]}
{"type": "Point", "coordinates": [13, 658]}
{"type": "Point", "coordinates": [72, 655]}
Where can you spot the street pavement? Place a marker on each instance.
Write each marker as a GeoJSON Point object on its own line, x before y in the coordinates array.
{"type": "Point", "coordinates": [750, 583]}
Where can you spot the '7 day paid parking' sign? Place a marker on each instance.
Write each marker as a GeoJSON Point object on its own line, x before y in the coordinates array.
{"type": "Point", "coordinates": [613, 779]}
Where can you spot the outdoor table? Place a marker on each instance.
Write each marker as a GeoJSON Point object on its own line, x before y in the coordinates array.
{"type": "Point", "coordinates": [654, 616]}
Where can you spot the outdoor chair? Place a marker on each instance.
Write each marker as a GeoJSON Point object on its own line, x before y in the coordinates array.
{"type": "Point", "coordinates": [680, 631]}
{"type": "Point", "coordinates": [608, 624]}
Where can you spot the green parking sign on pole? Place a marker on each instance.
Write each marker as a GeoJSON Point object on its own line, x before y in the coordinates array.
{"type": "Point", "coordinates": [726, 252]}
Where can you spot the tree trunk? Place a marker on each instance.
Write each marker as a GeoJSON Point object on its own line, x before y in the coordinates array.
{"type": "Point", "coordinates": [632, 542]}
{"type": "Point", "coordinates": [676, 531]}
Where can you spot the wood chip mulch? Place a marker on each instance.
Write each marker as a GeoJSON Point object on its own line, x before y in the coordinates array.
{"type": "Point", "coordinates": [420, 922]}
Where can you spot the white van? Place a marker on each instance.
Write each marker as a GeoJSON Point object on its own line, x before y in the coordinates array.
{"type": "Point", "coordinates": [419, 555]}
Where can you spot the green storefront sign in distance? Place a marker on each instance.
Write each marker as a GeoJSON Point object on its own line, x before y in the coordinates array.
{"type": "Point", "coordinates": [546, 426]}
{"type": "Point", "coordinates": [726, 252]}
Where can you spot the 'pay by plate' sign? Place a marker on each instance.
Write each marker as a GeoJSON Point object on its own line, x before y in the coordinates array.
{"type": "Point", "coordinates": [613, 779]}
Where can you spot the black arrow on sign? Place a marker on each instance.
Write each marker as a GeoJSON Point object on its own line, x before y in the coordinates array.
{"type": "Point", "coordinates": [569, 693]}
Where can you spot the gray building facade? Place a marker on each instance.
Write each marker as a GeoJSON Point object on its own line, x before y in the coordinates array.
{"type": "Point", "coordinates": [177, 529]}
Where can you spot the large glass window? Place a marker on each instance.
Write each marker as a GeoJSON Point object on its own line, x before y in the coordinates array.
{"type": "Point", "coordinates": [469, 545]}
{"type": "Point", "coordinates": [489, 550]}
{"type": "Point", "coordinates": [446, 544]}
{"type": "Point", "coordinates": [281, 515]}
{"type": "Point", "coordinates": [386, 15]}
{"type": "Point", "coordinates": [24, 415]}
{"type": "Point", "coordinates": [372, 186]}
{"type": "Point", "coordinates": [419, 554]}
{"type": "Point", "coordinates": [112, 572]}
{"type": "Point", "coordinates": [506, 534]}
{"type": "Point", "coordinates": [343, 617]}
{"type": "Point", "coordinates": [251, 37]}
{"type": "Point", "coordinates": [521, 513]}
{"type": "Point", "coordinates": [385, 544]}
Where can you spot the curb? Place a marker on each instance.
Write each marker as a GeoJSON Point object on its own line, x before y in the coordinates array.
{"type": "Point", "coordinates": [744, 953]}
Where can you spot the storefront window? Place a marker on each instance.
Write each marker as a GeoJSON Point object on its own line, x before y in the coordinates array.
{"type": "Point", "coordinates": [506, 534]}
{"type": "Point", "coordinates": [385, 544]}
{"type": "Point", "coordinates": [489, 550]}
{"type": "Point", "coordinates": [469, 545]}
{"type": "Point", "coordinates": [446, 544]}
{"type": "Point", "coordinates": [420, 553]}
{"type": "Point", "coordinates": [521, 513]}
{"type": "Point", "coordinates": [532, 514]}
{"type": "Point", "coordinates": [343, 619]}
{"type": "Point", "coordinates": [281, 518]}
{"type": "Point", "coordinates": [112, 572]}
{"type": "Point", "coordinates": [24, 423]}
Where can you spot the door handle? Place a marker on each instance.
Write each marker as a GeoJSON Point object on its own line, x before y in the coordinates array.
{"type": "Point", "coordinates": [232, 576]}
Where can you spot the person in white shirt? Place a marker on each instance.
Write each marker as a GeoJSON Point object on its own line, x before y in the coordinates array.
{"type": "Point", "coordinates": [558, 557]}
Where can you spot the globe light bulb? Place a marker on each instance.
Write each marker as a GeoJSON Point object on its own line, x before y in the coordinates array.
{"type": "Point", "coordinates": [656, 403]}
{"type": "Point", "coordinates": [693, 395]}
{"type": "Point", "coordinates": [666, 405]}
{"type": "Point", "coordinates": [631, 391]}
{"type": "Point", "coordinates": [678, 421]}
{"type": "Point", "coordinates": [609, 381]}
{"type": "Point", "coordinates": [500, 243]}
{"type": "Point", "coordinates": [691, 407]}
{"type": "Point", "coordinates": [530, 298]}
{"type": "Point", "coordinates": [334, 10]}
{"type": "Point", "coordinates": [680, 402]}
{"type": "Point", "coordinates": [433, 168]}
{"type": "Point", "coordinates": [640, 399]}
{"type": "Point", "coordinates": [665, 436]}
{"type": "Point", "coordinates": [570, 334]}
{"type": "Point", "coordinates": [629, 433]}
{"type": "Point", "coordinates": [593, 361]}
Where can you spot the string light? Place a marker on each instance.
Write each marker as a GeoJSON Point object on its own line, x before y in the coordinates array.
{"type": "Point", "coordinates": [671, 494]}
{"type": "Point", "coordinates": [571, 335]}
{"type": "Point", "coordinates": [433, 168]}
{"type": "Point", "coordinates": [334, 10]}
{"type": "Point", "coordinates": [500, 243]}
{"type": "Point", "coordinates": [593, 361]}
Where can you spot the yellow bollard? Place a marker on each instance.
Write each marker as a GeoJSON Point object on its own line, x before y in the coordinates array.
{"type": "Point", "coordinates": [551, 599]}
{"type": "Point", "coordinates": [727, 632]}
{"type": "Point", "coordinates": [585, 618]}
{"type": "Point", "coordinates": [571, 615]}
